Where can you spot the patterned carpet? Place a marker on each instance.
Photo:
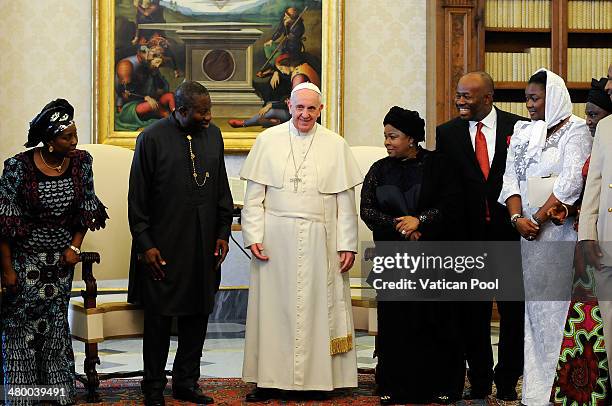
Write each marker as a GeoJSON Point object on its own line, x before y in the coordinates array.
{"type": "Point", "coordinates": [231, 391]}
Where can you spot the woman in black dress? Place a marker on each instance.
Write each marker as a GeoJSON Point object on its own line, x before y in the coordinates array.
{"type": "Point", "coordinates": [410, 196]}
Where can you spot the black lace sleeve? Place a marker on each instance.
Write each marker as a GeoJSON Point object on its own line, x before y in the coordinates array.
{"type": "Point", "coordinates": [430, 216]}
{"type": "Point", "coordinates": [370, 214]}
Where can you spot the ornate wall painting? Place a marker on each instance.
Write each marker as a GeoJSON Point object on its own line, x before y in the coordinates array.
{"type": "Point", "coordinates": [248, 53]}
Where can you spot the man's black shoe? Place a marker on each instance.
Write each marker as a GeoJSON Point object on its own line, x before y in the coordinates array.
{"type": "Point", "coordinates": [260, 395]}
{"type": "Point", "coordinates": [446, 399]}
{"type": "Point", "coordinates": [470, 394]}
{"type": "Point", "coordinates": [193, 395]}
{"type": "Point", "coordinates": [506, 394]}
{"type": "Point", "coordinates": [154, 400]}
{"type": "Point", "coordinates": [391, 400]}
{"type": "Point", "coordinates": [400, 400]}
{"type": "Point", "coordinates": [316, 395]}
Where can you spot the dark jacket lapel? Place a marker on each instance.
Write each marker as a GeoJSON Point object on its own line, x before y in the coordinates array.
{"type": "Point", "coordinates": [505, 126]}
{"type": "Point", "coordinates": [465, 143]}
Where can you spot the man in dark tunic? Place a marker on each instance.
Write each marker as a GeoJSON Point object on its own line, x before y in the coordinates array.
{"type": "Point", "coordinates": [180, 214]}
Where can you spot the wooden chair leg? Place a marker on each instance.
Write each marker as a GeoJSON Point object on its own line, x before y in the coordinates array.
{"type": "Point", "coordinates": [91, 349]}
{"type": "Point", "coordinates": [93, 380]}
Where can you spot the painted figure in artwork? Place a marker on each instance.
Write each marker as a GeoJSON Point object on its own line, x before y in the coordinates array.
{"type": "Point", "coordinates": [147, 12]}
{"type": "Point", "coordinates": [288, 72]}
{"type": "Point", "coordinates": [292, 65]}
{"type": "Point", "coordinates": [151, 12]}
{"type": "Point", "coordinates": [288, 36]}
{"type": "Point", "coordinates": [142, 92]}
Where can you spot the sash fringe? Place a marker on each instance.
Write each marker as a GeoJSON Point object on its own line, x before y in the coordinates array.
{"type": "Point", "coordinates": [341, 345]}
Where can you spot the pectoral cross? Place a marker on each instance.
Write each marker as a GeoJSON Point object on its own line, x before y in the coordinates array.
{"type": "Point", "coordinates": [295, 180]}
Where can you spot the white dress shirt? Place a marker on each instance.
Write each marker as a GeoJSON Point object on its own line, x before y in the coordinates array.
{"type": "Point", "coordinates": [489, 128]}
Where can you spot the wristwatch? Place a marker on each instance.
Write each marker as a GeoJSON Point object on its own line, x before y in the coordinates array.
{"type": "Point", "coordinates": [514, 218]}
{"type": "Point", "coordinates": [536, 219]}
{"type": "Point", "coordinates": [75, 249]}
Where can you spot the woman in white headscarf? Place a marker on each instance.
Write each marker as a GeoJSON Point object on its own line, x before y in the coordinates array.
{"type": "Point", "coordinates": [546, 154]}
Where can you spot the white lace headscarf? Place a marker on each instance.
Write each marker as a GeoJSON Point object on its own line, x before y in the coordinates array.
{"type": "Point", "coordinates": [558, 107]}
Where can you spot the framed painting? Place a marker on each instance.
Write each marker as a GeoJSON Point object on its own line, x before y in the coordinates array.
{"type": "Point", "coordinates": [248, 53]}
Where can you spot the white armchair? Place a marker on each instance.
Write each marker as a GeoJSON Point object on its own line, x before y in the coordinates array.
{"type": "Point", "coordinates": [365, 156]}
{"type": "Point", "coordinates": [364, 304]}
{"type": "Point", "coordinates": [94, 318]}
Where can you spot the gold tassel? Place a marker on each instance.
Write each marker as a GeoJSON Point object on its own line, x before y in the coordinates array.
{"type": "Point", "coordinates": [341, 345]}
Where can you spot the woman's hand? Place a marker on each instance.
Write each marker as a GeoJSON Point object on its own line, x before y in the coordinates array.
{"type": "Point", "coordinates": [69, 258]}
{"type": "Point", "coordinates": [415, 236]}
{"type": "Point", "coordinates": [527, 229]}
{"type": "Point", "coordinates": [9, 280]}
{"type": "Point", "coordinates": [406, 225]}
{"type": "Point", "coordinates": [8, 274]}
{"type": "Point", "coordinates": [558, 213]}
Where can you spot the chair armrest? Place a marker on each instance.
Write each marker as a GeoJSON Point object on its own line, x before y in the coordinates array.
{"type": "Point", "coordinates": [91, 287]}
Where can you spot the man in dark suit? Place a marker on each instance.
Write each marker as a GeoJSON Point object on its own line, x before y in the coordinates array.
{"type": "Point", "coordinates": [477, 143]}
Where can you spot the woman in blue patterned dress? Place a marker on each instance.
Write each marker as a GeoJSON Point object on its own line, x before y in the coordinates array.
{"type": "Point", "coordinates": [47, 203]}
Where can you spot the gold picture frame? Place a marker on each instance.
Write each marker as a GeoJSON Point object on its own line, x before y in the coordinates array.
{"type": "Point", "coordinates": [103, 33]}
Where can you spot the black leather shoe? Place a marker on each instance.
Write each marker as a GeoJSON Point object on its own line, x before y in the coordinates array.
{"type": "Point", "coordinates": [506, 394]}
{"type": "Point", "coordinates": [153, 400]}
{"type": "Point", "coordinates": [470, 394]}
{"type": "Point", "coordinates": [390, 400]}
{"type": "Point", "coordinates": [260, 395]}
{"type": "Point", "coordinates": [193, 395]}
{"type": "Point", "coordinates": [401, 400]}
{"type": "Point", "coordinates": [316, 395]}
{"type": "Point", "coordinates": [446, 399]}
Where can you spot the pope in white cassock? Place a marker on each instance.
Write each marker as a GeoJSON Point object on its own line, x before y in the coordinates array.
{"type": "Point", "coordinates": [299, 221]}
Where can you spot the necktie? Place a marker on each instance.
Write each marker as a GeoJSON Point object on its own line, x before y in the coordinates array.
{"type": "Point", "coordinates": [482, 156]}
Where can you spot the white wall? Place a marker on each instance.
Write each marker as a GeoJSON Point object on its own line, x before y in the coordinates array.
{"type": "Point", "coordinates": [385, 64]}
{"type": "Point", "coordinates": [45, 48]}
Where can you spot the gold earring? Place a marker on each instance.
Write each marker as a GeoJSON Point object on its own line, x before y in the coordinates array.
{"type": "Point", "coordinates": [50, 148]}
